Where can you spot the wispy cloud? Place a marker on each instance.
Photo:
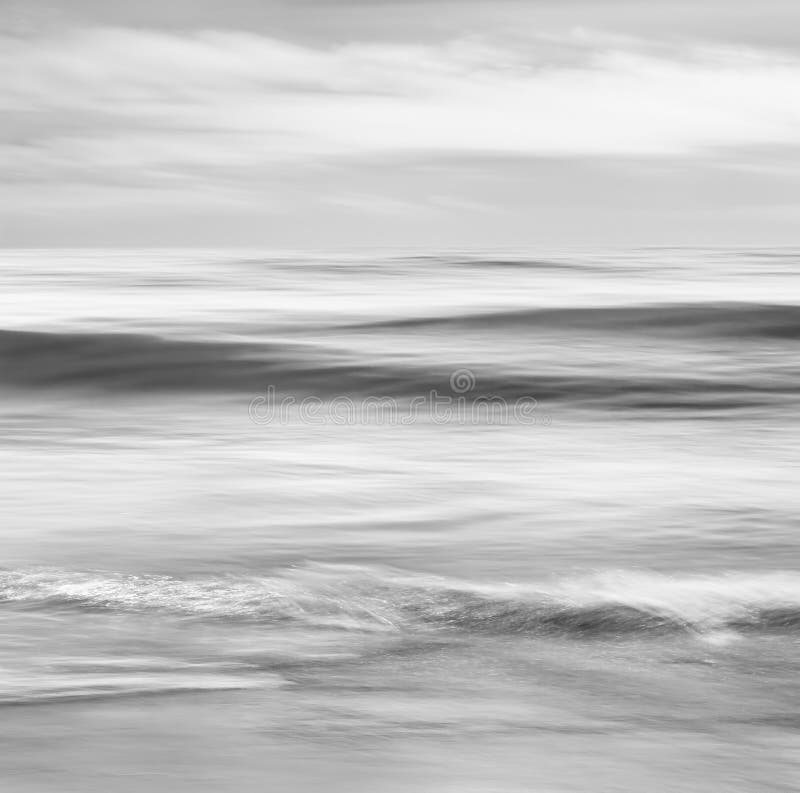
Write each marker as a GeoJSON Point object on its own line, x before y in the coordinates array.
{"type": "Point", "coordinates": [137, 105]}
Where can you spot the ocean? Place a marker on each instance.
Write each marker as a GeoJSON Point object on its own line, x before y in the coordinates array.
{"type": "Point", "coordinates": [400, 521]}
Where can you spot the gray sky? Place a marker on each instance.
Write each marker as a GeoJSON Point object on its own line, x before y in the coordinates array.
{"type": "Point", "coordinates": [427, 122]}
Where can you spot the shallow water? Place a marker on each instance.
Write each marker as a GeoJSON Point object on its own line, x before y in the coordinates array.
{"type": "Point", "coordinates": [560, 553]}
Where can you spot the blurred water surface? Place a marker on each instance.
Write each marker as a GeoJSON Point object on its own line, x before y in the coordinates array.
{"type": "Point", "coordinates": [604, 596]}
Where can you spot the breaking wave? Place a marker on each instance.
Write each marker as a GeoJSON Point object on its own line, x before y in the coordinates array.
{"type": "Point", "coordinates": [375, 599]}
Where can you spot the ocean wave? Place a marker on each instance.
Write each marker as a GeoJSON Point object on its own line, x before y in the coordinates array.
{"type": "Point", "coordinates": [375, 599]}
{"type": "Point", "coordinates": [128, 363]}
{"type": "Point", "coordinates": [740, 321]}
{"type": "Point", "coordinates": [482, 262]}
{"type": "Point", "coordinates": [138, 361]}
{"type": "Point", "coordinates": [109, 678]}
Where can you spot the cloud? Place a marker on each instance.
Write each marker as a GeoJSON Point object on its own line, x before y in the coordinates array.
{"type": "Point", "coordinates": [224, 108]}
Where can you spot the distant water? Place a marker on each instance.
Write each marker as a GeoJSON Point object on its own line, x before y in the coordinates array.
{"type": "Point", "coordinates": [396, 522]}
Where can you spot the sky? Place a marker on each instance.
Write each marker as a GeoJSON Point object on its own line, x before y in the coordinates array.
{"type": "Point", "coordinates": [444, 123]}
